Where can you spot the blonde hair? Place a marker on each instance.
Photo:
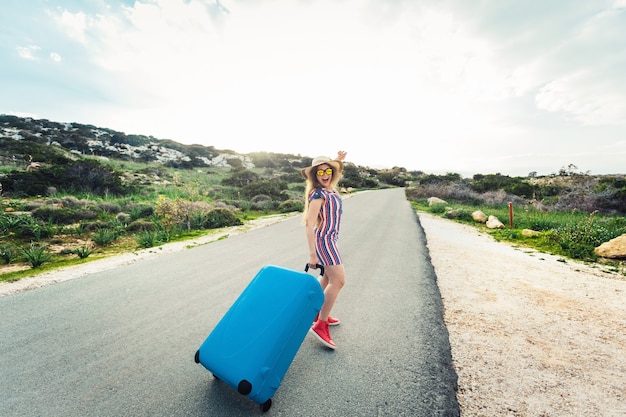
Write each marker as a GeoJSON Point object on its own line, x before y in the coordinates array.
{"type": "Point", "coordinates": [312, 183]}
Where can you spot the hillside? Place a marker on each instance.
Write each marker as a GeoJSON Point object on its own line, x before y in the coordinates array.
{"type": "Point", "coordinates": [26, 140]}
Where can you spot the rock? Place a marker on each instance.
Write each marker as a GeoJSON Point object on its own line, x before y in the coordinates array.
{"type": "Point", "coordinates": [435, 200]}
{"type": "Point", "coordinates": [479, 216]}
{"type": "Point", "coordinates": [613, 249]}
{"type": "Point", "coordinates": [529, 232]}
{"type": "Point", "coordinates": [494, 223]}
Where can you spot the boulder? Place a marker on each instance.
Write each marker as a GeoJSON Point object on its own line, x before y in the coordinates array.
{"type": "Point", "coordinates": [613, 249]}
{"type": "Point", "coordinates": [435, 200]}
{"type": "Point", "coordinates": [479, 216]}
{"type": "Point", "coordinates": [529, 232]}
{"type": "Point", "coordinates": [494, 223]}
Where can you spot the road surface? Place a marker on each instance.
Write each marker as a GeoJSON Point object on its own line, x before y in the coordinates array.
{"type": "Point", "coordinates": [122, 342]}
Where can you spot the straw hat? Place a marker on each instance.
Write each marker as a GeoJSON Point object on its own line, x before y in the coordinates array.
{"type": "Point", "coordinates": [337, 166]}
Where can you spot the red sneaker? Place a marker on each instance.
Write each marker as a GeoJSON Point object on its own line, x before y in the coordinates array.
{"type": "Point", "coordinates": [320, 331]}
{"type": "Point", "coordinates": [331, 320]}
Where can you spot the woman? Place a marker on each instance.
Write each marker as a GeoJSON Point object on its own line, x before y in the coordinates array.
{"type": "Point", "coordinates": [322, 217]}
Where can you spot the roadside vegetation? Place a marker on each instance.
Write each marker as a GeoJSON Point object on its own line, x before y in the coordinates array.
{"type": "Point", "coordinates": [76, 208]}
{"type": "Point", "coordinates": [567, 215]}
{"type": "Point", "coordinates": [74, 211]}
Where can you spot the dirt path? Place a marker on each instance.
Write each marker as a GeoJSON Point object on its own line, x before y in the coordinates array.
{"type": "Point", "coordinates": [531, 335]}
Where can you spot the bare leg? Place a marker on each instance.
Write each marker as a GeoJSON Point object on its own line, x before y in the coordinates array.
{"type": "Point", "coordinates": [324, 281]}
{"type": "Point", "coordinates": [335, 277]}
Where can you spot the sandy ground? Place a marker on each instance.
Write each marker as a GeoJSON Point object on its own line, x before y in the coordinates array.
{"type": "Point", "coordinates": [531, 335]}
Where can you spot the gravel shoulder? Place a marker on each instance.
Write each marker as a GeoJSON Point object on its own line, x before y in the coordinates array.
{"type": "Point", "coordinates": [531, 335]}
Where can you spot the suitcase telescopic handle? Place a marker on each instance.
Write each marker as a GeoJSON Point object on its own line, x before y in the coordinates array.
{"type": "Point", "coordinates": [317, 266]}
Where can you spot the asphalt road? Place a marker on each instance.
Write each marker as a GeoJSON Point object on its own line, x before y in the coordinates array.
{"type": "Point", "coordinates": [122, 342]}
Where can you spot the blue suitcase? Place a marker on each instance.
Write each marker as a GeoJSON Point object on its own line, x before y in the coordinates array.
{"type": "Point", "coordinates": [253, 345]}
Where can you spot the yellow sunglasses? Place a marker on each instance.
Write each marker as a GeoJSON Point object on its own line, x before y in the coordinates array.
{"type": "Point", "coordinates": [327, 171]}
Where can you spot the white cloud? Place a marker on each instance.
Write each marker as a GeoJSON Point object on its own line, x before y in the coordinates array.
{"type": "Point", "coordinates": [586, 98]}
{"type": "Point", "coordinates": [74, 25]}
{"type": "Point", "coordinates": [290, 76]}
{"type": "Point", "coordinates": [28, 52]}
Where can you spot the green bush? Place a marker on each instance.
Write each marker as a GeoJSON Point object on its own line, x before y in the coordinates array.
{"type": "Point", "coordinates": [263, 203]}
{"type": "Point", "coordinates": [241, 178]}
{"type": "Point", "coordinates": [438, 208]}
{"type": "Point", "coordinates": [150, 238]}
{"type": "Point", "coordinates": [272, 188]}
{"type": "Point", "coordinates": [578, 240]}
{"type": "Point", "coordinates": [33, 229]}
{"type": "Point", "coordinates": [84, 175]}
{"type": "Point", "coordinates": [221, 217]}
{"type": "Point", "coordinates": [82, 252]}
{"type": "Point", "coordinates": [36, 255]}
{"type": "Point", "coordinates": [291, 205]}
{"type": "Point", "coordinates": [8, 253]}
{"type": "Point", "coordinates": [12, 222]}
{"type": "Point", "coordinates": [139, 211]}
{"type": "Point", "coordinates": [108, 207]}
{"type": "Point", "coordinates": [141, 225]}
{"type": "Point", "coordinates": [105, 236]}
{"type": "Point", "coordinates": [63, 215]}
{"type": "Point", "coordinates": [460, 214]}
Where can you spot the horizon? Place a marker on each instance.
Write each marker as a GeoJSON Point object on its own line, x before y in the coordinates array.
{"type": "Point", "coordinates": [571, 169]}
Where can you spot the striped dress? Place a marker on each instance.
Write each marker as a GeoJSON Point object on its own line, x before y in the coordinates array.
{"type": "Point", "coordinates": [327, 229]}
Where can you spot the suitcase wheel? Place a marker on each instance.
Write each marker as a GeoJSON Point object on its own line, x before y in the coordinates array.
{"type": "Point", "coordinates": [266, 405]}
{"type": "Point", "coordinates": [197, 356]}
{"type": "Point", "coordinates": [244, 387]}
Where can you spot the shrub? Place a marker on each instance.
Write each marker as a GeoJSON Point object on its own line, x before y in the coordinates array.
{"type": "Point", "coordinates": [110, 207]}
{"type": "Point", "coordinates": [180, 212]}
{"type": "Point", "coordinates": [274, 189]}
{"type": "Point", "coordinates": [578, 240]}
{"type": "Point", "coordinates": [221, 217]}
{"type": "Point", "coordinates": [438, 208]}
{"type": "Point", "coordinates": [63, 215]}
{"type": "Point", "coordinates": [459, 192]}
{"type": "Point", "coordinates": [77, 176]}
{"type": "Point", "coordinates": [86, 227]}
{"type": "Point", "coordinates": [141, 225]}
{"type": "Point", "coordinates": [8, 253]}
{"type": "Point", "coordinates": [11, 222]}
{"type": "Point", "coordinates": [151, 238]}
{"type": "Point", "coordinates": [291, 205]}
{"type": "Point", "coordinates": [262, 202]}
{"type": "Point", "coordinates": [104, 236]}
{"type": "Point", "coordinates": [241, 178]}
{"type": "Point", "coordinates": [82, 252]}
{"type": "Point", "coordinates": [459, 214]}
{"type": "Point", "coordinates": [36, 255]}
{"type": "Point", "coordinates": [123, 217]}
{"type": "Point", "coordinates": [139, 211]}
{"type": "Point", "coordinates": [33, 229]}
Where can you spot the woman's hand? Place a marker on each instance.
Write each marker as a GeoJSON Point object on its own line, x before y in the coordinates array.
{"type": "Point", "coordinates": [341, 155]}
{"type": "Point", "coordinates": [313, 262]}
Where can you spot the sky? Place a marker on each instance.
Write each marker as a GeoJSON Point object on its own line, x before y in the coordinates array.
{"type": "Point", "coordinates": [448, 86]}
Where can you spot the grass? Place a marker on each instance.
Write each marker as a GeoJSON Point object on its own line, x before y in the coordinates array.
{"type": "Point", "coordinates": [122, 245]}
{"type": "Point", "coordinates": [572, 234]}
